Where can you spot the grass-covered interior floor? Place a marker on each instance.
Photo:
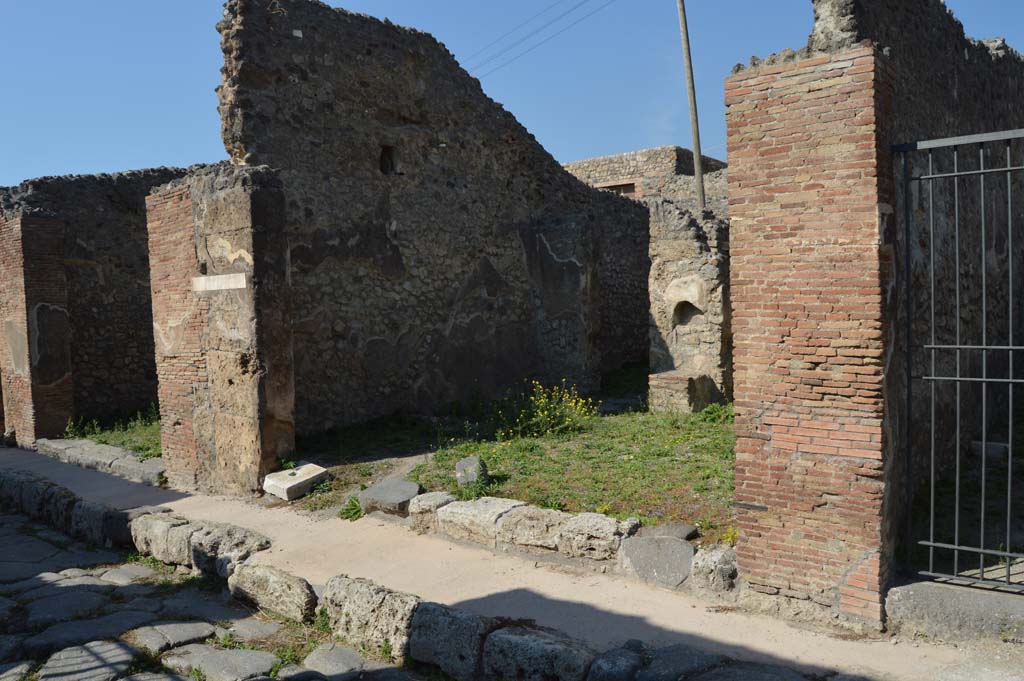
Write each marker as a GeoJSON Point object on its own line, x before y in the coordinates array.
{"type": "Point", "coordinates": [139, 434]}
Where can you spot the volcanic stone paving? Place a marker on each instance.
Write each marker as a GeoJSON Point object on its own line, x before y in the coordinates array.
{"type": "Point", "coordinates": [73, 613]}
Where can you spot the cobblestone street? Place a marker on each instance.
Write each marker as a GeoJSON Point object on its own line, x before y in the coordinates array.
{"type": "Point", "coordinates": [73, 613]}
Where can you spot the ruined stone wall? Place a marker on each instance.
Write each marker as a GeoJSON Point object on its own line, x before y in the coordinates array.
{"type": "Point", "coordinates": [223, 327]}
{"type": "Point", "coordinates": [436, 252]}
{"type": "Point", "coordinates": [88, 320]}
{"type": "Point", "coordinates": [691, 339]}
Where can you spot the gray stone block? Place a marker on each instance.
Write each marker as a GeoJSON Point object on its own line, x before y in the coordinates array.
{"type": "Point", "coordinates": [149, 472]}
{"type": "Point", "coordinates": [521, 654]}
{"type": "Point", "coordinates": [253, 629]}
{"type": "Point", "coordinates": [155, 677]}
{"type": "Point", "coordinates": [201, 605]}
{"type": "Point", "coordinates": [294, 672]}
{"type": "Point", "coordinates": [57, 587]}
{"type": "Point", "coordinates": [220, 665]}
{"type": "Point", "coordinates": [217, 548]}
{"type": "Point", "coordinates": [123, 575]}
{"type": "Point", "coordinates": [390, 496]}
{"type": "Point", "coordinates": [619, 664]}
{"type": "Point", "coordinates": [295, 482]}
{"type": "Point", "coordinates": [448, 638]}
{"type": "Point", "coordinates": [423, 510]}
{"type": "Point", "coordinates": [665, 561]}
{"type": "Point", "coordinates": [750, 671]}
{"type": "Point", "coordinates": [714, 568]}
{"type": "Point", "coordinates": [676, 662]}
{"type": "Point", "coordinates": [532, 529]}
{"type": "Point", "coordinates": [947, 612]}
{"type": "Point", "coordinates": [7, 606]}
{"type": "Point", "coordinates": [475, 521]}
{"type": "Point", "coordinates": [95, 661]}
{"type": "Point", "coordinates": [275, 590]}
{"type": "Point", "coordinates": [367, 614]}
{"type": "Point", "coordinates": [10, 647]}
{"type": "Point", "coordinates": [163, 536]}
{"type": "Point", "coordinates": [334, 662]}
{"type": "Point", "coordinates": [470, 470]}
{"type": "Point", "coordinates": [594, 536]}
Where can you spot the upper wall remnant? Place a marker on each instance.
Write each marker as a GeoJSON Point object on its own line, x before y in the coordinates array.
{"type": "Point", "coordinates": [436, 252]}
{"type": "Point", "coordinates": [78, 300]}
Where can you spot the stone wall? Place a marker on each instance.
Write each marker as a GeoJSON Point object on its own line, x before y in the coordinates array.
{"type": "Point", "coordinates": [819, 315]}
{"type": "Point", "coordinates": [436, 252]}
{"type": "Point", "coordinates": [223, 332]}
{"type": "Point", "coordinates": [691, 339]}
{"type": "Point", "coordinates": [82, 275]}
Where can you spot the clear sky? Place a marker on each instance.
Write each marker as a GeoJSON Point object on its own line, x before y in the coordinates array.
{"type": "Point", "coordinates": [103, 85]}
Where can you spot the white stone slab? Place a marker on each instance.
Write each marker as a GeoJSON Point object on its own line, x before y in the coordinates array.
{"type": "Point", "coordinates": [295, 482]}
{"type": "Point", "coordinates": [220, 282]}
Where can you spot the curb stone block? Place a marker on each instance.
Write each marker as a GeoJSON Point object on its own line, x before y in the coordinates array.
{"type": "Point", "coordinates": [87, 521]}
{"type": "Point", "coordinates": [274, 590]}
{"type": "Point", "coordinates": [364, 613]}
{"type": "Point", "coordinates": [448, 638]}
{"type": "Point", "coordinates": [594, 536]}
{"type": "Point", "coordinates": [619, 664]}
{"type": "Point", "coordinates": [532, 529]}
{"type": "Point", "coordinates": [33, 494]}
{"type": "Point", "coordinates": [215, 548]}
{"type": "Point", "coordinates": [423, 510]}
{"type": "Point", "coordinates": [665, 561]}
{"type": "Point", "coordinates": [522, 654]}
{"type": "Point", "coordinates": [59, 504]}
{"type": "Point", "coordinates": [164, 536]}
{"type": "Point", "coordinates": [117, 523]}
{"type": "Point", "coordinates": [475, 521]}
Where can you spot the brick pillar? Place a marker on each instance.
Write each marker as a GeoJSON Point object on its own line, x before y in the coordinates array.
{"type": "Point", "coordinates": [809, 186]}
{"type": "Point", "coordinates": [35, 367]}
{"type": "Point", "coordinates": [222, 330]}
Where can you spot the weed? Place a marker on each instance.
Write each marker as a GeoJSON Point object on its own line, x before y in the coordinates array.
{"type": "Point", "coordinates": [352, 510]}
{"type": "Point", "coordinates": [385, 651]}
{"type": "Point", "coordinates": [197, 674]}
{"type": "Point", "coordinates": [322, 622]}
{"type": "Point", "coordinates": [286, 464]}
{"type": "Point", "coordinates": [139, 434]}
{"type": "Point", "coordinates": [731, 535]}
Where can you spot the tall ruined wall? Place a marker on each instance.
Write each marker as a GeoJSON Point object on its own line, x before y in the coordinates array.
{"type": "Point", "coordinates": [222, 324]}
{"type": "Point", "coordinates": [79, 266]}
{"type": "Point", "coordinates": [691, 339]}
{"type": "Point", "coordinates": [436, 252]}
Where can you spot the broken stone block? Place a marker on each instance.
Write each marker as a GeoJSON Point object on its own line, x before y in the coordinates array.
{"type": "Point", "coordinates": [522, 654]}
{"type": "Point", "coordinates": [296, 482]}
{"type": "Point", "coordinates": [390, 496]}
{"type": "Point", "coordinates": [594, 536]}
{"type": "Point", "coordinates": [367, 614]}
{"type": "Point", "coordinates": [665, 561]}
{"type": "Point", "coordinates": [475, 521]}
{"type": "Point", "coordinates": [448, 638]}
{"type": "Point", "coordinates": [423, 510]}
{"type": "Point", "coordinates": [274, 590]}
{"type": "Point", "coordinates": [217, 548]}
{"type": "Point", "coordinates": [714, 568]}
{"type": "Point", "coordinates": [536, 530]}
{"type": "Point", "coordinates": [470, 470]}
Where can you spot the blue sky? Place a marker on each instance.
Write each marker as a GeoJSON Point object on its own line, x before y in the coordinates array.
{"type": "Point", "coordinates": [119, 84]}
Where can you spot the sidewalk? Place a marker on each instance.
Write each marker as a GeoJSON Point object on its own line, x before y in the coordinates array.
{"type": "Point", "coordinates": [600, 609]}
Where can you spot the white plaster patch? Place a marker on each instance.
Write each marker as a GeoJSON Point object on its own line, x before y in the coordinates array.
{"type": "Point", "coordinates": [220, 282]}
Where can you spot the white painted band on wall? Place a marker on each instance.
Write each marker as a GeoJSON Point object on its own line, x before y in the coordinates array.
{"type": "Point", "coordinates": [220, 282]}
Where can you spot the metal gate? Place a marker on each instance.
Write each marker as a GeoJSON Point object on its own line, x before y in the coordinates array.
{"type": "Point", "coordinates": [962, 260]}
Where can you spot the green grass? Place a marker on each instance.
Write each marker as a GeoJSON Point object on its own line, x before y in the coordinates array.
{"type": "Point", "coordinates": [139, 434]}
{"type": "Point", "coordinates": [658, 467]}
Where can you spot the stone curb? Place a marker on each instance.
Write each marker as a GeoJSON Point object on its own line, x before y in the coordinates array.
{"type": "Point", "coordinates": [104, 458]}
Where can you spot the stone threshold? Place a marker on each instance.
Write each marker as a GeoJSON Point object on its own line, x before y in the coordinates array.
{"type": "Point", "coordinates": [106, 459]}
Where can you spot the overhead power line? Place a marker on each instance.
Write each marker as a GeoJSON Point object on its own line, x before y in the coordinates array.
{"type": "Point", "coordinates": [516, 28]}
{"type": "Point", "coordinates": [546, 40]}
{"type": "Point", "coordinates": [529, 35]}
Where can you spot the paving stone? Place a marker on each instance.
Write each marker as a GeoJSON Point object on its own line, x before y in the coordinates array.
{"type": "Point", "coordinates": [594, 536]}
{"type": "Point", "coordinates": [532, 529]}
{"type": "Point", "coordinates": [253, 629]}
{"type": "Point", "coordinates": [95, 661]}
{"type": "Point", "coordinates": [76, 572]}
{"type": "Point", "coordinates": [10, 647]}
{"type": "Point", "coordinates": [679, 530]}
{"type": "Point", "coordinates": [155, 677]}
{"type": "Point", "coordinates": [15, 671]}
{"type": "Point", "coordinates": [56, 588]}
{"type": "Point", "coordinates": [166, 635]}
{"type": "Point", "coordinates": [448, 638]}
{"type": "Point", "coordinates": [390, 496]}
{"type": "Point", "coordinates": [335, 662]}
{"type": "Point", "coordinates": [124, 575]}
{"type": "Point", "coordinates": [294, 672]}
{"type": "Point", "coordinates": [31, 550]}
{"type": "Point", "coordinates": [143, 604]}
{"type": "Point", "coordinates": [72, 604]}
{"type": "Point", "coordinates": [367, 614]}
{"type": "Point", "coordinates": [470, 470]}
{"type": "Point", "coordinates": [68, 634]}
{"type": "Point", "coordinates": [296, 482]}
{"type": "Point", "coordinates": [665, 561]}
{"type": "Point", "coordinates": [423, 509]}
{"type": "Point", "coordinates": [275, 590]}
{"type": "Point", "coordinates": [220, 665]}
{"type": "Point", "coordinates": [475, 521]}
{"type": "Point", "coordinates": [676, 662]}
{"type": "Point", "coordinates": [521, 654]}
{"type": "Point", "coordinates": [619, 664]}
{"type": "Point", "coordinates": [200, 605]}
{"type": "Point", "coordinates": [31, 584]}
{"type": "Point", "coordinates": [749, 671]}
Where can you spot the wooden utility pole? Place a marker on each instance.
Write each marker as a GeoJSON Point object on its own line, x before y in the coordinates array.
{"type": "Point", "coordinates": [698, 169]}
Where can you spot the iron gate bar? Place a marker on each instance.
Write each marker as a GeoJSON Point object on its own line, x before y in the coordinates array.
{"type": "Point", "coordinates": [954, 143]}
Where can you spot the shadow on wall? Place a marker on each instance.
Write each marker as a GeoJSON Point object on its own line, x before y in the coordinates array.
{"type": "Point", "coordinates": [606, 630]}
